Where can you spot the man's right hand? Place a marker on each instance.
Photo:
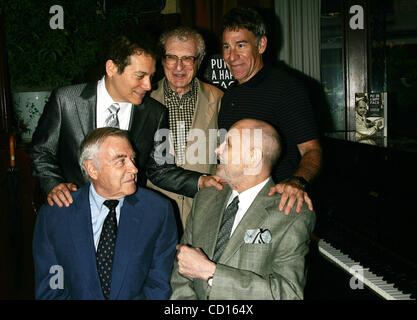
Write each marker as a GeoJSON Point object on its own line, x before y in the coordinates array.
{"type": "Point", "coordinates": [61, 195]}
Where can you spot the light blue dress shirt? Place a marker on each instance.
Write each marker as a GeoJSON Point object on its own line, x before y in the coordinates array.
{"type": "Point", "coordinates": [99, 213]}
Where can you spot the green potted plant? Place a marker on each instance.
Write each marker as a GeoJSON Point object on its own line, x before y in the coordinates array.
{"type": "Point", "coordinates": [41, 58]}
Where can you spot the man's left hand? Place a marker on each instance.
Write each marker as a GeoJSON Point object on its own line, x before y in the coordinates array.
{"type": "Point", "coordinates": [210, 181]}
{"type": "Point", "coordinates": [291, 193]}
{"type": "Point", "coordinates": [193, 263]}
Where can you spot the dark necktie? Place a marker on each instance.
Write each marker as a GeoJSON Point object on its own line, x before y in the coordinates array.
{"type": "Point", "coordinates": [105, 248]}
{"type": "Point", "coordinates": [113, 120]}
{"type": "Point", "coordinates": [226, 228]}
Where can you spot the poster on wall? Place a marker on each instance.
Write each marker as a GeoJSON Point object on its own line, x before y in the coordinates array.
{"type": "Point", "coordinates": [217, 72]}
{"type": "Point", "coordinates": [371, 118]}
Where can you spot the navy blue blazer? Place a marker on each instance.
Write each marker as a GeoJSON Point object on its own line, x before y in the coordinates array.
{"type": "Point", "coordinates": [144, 253]}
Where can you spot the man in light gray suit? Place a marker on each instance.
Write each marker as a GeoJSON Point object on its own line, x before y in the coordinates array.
{"type": "Point", "coordinates": [236, 244]}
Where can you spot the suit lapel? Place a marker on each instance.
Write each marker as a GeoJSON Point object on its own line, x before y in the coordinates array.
{"type": "Point", "coordinates": [129, 224]}
{"type": "Point", "coordinates": [85, 105]}
{"type": "Point", "coordinates": [253, 218]}
{"type": "Point", "coordinates": [138, 120]}
{"type": "Point", "coordinates": [205, 108]}
{"type": "Point", "coordinates": [82, 234]}
{"type": "Point", "coordinates": [209, 238]}
{"type": "Point", "coordinates": [158, 93]}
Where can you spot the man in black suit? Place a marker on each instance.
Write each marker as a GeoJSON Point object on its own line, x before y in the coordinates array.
{"type": "Point", "coordinates": [118, 99]}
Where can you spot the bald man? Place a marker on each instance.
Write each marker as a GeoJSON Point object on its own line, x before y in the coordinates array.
{"type": "Point", "coordinates": [236, 244]}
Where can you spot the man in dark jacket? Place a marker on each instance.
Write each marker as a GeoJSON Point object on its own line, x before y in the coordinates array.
{"type": "Point", "coordinates": [118, 99]}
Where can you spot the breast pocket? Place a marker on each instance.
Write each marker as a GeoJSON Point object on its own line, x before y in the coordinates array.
{"type": "Point", "coordinates": [254, 257]}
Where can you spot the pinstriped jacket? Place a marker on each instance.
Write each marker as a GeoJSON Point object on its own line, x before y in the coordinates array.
{"type": "Point", "coordinates": [68, 117]}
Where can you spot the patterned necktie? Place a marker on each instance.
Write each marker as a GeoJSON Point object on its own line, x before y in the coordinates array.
{"type": "Point", "coordinates": [113, 120]}
{"type": "Point", "coordinates": [226, 228]}
{"type": "Point", "coordinates": [105, 248]}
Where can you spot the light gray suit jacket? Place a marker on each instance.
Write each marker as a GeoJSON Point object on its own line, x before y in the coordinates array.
{"type": "Point", "coordinates": [246, 271]}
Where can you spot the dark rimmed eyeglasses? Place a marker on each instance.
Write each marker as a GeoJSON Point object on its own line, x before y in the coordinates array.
{"type": "Point", "coordinates": [171, 60]}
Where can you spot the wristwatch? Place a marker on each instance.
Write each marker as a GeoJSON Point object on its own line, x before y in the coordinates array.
{"type": "Point", "coordinates": [301, 181]}
{"type": "Point", "coordinates": [210, 281]}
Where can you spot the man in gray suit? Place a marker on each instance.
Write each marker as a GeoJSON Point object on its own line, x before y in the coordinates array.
{"type": "Point", "coordinates": [236, 244]}
{"type": "Point", "coordinates": [118, 99]}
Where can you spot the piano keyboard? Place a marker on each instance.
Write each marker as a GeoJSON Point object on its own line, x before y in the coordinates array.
{"type": "Point", "coordinates": [371, 280]}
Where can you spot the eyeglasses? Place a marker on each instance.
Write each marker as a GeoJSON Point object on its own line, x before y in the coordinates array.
{"type": "Point", "coordinates": [171, 60]}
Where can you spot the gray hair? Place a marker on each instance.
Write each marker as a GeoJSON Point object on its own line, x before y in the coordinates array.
{"type": "Point", "coordinates": [91, 145]}
{"type": "Point", "coordinates": [184, 34]}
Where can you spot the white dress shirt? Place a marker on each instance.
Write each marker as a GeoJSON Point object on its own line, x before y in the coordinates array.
{"type": "Point", "coordinates": [245, 200]}
{"type": "Point", "coordinates": [104, 101]}
{"type": "Point", "coordinates": [99, 213]}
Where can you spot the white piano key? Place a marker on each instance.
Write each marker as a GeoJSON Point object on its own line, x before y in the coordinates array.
{"type": "Point", "coordinates": [405, 297]}
{"type": "Point", "coordinates": [398, 295]}
{"type": "Point", "coordinates": [351, 264]}
{"type": "Point", "coordinates": [374, 282]}
{"type": "Point", "coordinates": [387, 285]}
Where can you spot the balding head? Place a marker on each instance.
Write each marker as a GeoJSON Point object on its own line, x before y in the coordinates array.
{"type": "Point", "coordinates": [249, 153]}
{"type": "Point", "coordinates": [270, 143]}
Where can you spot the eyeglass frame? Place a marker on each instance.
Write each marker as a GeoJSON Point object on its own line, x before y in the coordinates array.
{"type": "Point", "coordinates": [195, 58]}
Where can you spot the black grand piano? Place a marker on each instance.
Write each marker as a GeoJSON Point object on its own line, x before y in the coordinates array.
{"type": "Point", "coordinates": [366, 205]}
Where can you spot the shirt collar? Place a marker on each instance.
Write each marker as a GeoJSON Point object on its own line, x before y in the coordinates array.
{"type": "Point", "coordinates": [248, 196]}
{"type": "Point", "coordinates": [191, 94]}
{"type": "Point", "coordinates": [99, 200]}
{"type": "Point", "coordinates": [254, 81]}
{"type": "Point", "coordinates": [105, 98]}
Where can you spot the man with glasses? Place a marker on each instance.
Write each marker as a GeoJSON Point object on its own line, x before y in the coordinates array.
{"type": "Point", "coordinates": [119, 99]}
{"type": "Point", "coordinates": [192, 105]}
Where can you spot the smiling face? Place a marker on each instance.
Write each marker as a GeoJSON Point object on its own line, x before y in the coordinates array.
{"type": "Point", "coordinates": [242, 54]}
{"type": "Point", "coordinates": [132, 84]}
{"type": "Point", "coordinates": [113, 173]}
{"type": "Point", "coordinates": [179, 76]}
{"type": "Point", "coordinates": [361, 108]}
